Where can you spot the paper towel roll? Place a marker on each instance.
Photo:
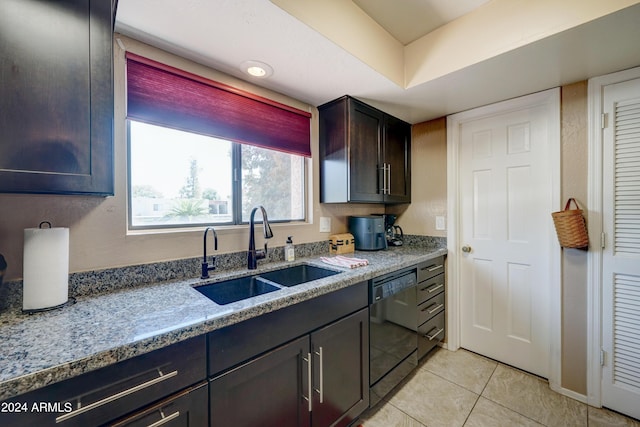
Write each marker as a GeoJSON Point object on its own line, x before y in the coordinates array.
{"type": "Point", "coordinates": [46, 268]}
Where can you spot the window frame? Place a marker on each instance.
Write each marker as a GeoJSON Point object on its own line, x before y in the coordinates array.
{"type": "Point", "coordinates": [236, 190]}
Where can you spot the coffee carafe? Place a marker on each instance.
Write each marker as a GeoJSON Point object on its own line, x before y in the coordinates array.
{"type": "Point", "coordinates": [395, 236]}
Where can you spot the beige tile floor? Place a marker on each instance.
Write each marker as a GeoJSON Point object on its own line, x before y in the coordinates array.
{"type": "Point", "coordinates": [461, 388]}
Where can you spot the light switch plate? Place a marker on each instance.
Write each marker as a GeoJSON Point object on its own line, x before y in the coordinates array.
{"type": "Point", "coordinates": [440, 223]}
{"type": "Point", "coordinates": [325, 224]}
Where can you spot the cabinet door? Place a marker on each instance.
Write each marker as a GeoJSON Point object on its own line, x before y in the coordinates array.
{"type": "Point", "coordinates": [56, 96]}
{"type": "Point", "coordinates": [365, 153]}
{"type": "Point", "coordinates": [186, 409]}
{"type": "Point", "coordinates": [269, 391]}
{"type": "Point", "coordinates": [341, 370]}
{"type": "Point", "coordinates": [397, 156]}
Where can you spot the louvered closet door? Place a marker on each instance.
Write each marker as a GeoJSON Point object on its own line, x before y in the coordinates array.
{"type": "Point", "coordinates": [621, 256]}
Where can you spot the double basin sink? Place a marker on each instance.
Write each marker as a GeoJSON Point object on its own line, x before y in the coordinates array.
{"type": "Point", "coordinates": [232, 290]}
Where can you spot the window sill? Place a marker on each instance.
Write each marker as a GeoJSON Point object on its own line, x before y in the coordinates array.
{"type": "Point", "coordinates": [220, 229]}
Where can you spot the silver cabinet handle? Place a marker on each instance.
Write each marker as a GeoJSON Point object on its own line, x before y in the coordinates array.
{"type": "Point", "coordinates": [438, 307]}
{"type": "Point", "coordinates": [389, 179]}
{"type": "Point", "coordinates": [164, 419]}
{"type": "Point", "coordinates": [384, 179]}
{"type": "Point", "coordinates": [321, 390]}
{"type": "Point", "coordinates": [433, 288]}
{"type": "Point", "coordinates": [116, 396]}
{"type": "Point", "coordinates": [432, 268]}
{"type": "Point", "coordinates": [309, 386]}
{"type": "Point", "coordinates": [431, 337]}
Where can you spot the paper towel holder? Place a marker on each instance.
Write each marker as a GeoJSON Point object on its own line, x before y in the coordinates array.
{"type": "Point", "coordinates": [35, 303]}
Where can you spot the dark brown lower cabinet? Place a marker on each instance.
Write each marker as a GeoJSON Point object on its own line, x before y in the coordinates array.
{"type": "Point", "coordinates": [185, 409]}
{"type": "Point", "coordinates": [340, 353]}
{"type": "Point", "coordinates": [267, 391]}
{"type": "Point", "coordinates": [318, 380]}
{"type": "Point", "coordinates": [431, 305]}
{"type": "Point", "coordinates": [102, 396]}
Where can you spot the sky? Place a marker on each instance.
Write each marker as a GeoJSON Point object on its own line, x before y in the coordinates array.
{"type": "Point", "coordinates": [161, 158]}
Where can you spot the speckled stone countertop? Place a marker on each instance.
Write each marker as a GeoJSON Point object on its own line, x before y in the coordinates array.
{"type": "Point", "coordinates": [105, 328]}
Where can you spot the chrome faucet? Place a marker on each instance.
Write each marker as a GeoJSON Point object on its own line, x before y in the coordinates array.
{"type": "Point", "coordinates": [254, 255]}
{"type": "Point", "coordinates": [205, 265]}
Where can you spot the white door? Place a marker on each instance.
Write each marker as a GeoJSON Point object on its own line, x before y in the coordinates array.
{"type": "Point", "coordinates": [621, 255]}
{"type": "Point", "coordinates": [506, 231]}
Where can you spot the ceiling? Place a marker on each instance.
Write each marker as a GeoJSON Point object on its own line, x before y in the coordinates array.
{"type": "Point", "coordinates": [313, 68]}
{"type": "Point", "coordinates": [409, 20]}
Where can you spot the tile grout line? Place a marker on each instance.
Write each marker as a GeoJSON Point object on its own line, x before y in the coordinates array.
{"type": "Point", "coordinates": [472, 408]}
{"type": "Point", "coordinates": [480, 394]}
{"type": "Point", "coordinates": [450, 382]}
{"type": "Point", "coordinates": [506, 407]}
{"type": "Point", "coordinates": [408, 415]}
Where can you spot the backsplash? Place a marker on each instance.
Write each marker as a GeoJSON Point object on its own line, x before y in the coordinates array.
{"type": "Point", "coordinates": [113, 279]}
{"type": "Point", "coordinates": [431, 242]}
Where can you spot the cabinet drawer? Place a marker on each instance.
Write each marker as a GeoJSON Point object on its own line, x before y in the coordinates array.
{"type": "Point", "coordinates": [108, 393]}
{"type": "Point", "coordinates": [429, 288]}
{"type": "Point", "coordinates": [187, 408]}
{"type": "Point", "coordinates": [430, 268]}
{"type": "Point", "coordinates": [227, 351]}
{"type": "Point", "coordinates": [430, 308]}
{"type": "Point", "coordinates": [430, 334]}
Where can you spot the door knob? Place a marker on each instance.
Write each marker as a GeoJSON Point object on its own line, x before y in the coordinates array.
{"type": "Point", "coordinates": [466, 249]}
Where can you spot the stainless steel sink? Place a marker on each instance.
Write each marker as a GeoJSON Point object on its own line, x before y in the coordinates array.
{"type": "Point", "coordinates": [234, 290]}
{"type": "Point", "coordinates": [296, 275]}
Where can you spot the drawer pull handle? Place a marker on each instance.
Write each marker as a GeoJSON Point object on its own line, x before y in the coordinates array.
{"type": "Point", "coordinates": [321, 390]}
{"type": "Point", "coordinates": [438, 307]}
{"type": "Point", "coordinates": [164, 419]}
{"type": "Point", "coordinates": [433, 288]}
{"type": "Point", "coordinates": [431, 337]}
{"type": "Point", "coordinates": [116, 396]}
{"type": "Point", "coordinates": [432, 268]}
{"type": "Point", "coordinates": [309, 386]}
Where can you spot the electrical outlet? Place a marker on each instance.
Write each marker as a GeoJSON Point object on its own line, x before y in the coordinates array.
{"type": "Point", "coordinates": [325, 224]}
{"type": "Point", "coordinates": [440, 223]}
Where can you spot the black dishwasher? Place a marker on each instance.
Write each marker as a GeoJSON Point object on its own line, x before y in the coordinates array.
{"type": "Point", "coordinates": [393, 323]}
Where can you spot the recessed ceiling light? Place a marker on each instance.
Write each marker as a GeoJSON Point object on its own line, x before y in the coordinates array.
{"type": "Point", "coordinates": [256, 69]}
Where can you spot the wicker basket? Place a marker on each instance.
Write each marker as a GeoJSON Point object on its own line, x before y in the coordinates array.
{"type": "Point", "coordinates": [571, 227]}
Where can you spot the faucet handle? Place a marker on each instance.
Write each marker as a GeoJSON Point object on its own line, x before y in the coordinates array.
{"type": "Point", "coordinates": [206, 269]}
{"type": "Point", "coordinates": [262, 253]}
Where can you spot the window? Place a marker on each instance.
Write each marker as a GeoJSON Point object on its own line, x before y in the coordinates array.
{"type": "Point", "coordinates": [274, 180]}
{"type": "Point", "coordinates": [203, 153]}
{"type": "Point", "coordinates": [179, 179]}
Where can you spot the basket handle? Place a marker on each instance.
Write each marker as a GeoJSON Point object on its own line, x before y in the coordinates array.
{"type": "Point", "coordinates": [566, 207]}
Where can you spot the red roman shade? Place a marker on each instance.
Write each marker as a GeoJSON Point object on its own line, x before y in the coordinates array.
{"type": "Point", "coordinates": [163, 95]}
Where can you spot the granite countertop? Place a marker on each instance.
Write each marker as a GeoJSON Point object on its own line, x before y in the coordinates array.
{"type": "Point", "coordinates": [99, 330]}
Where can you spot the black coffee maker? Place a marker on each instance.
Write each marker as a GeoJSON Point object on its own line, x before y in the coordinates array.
{"type": "Point", "coordinates": [395, 236]}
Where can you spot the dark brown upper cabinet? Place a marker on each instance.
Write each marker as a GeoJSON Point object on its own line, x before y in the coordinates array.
{"type": "Point", "coordinates": [365, 154]}
{"type": "Point", "coordinates": [56, 96]}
